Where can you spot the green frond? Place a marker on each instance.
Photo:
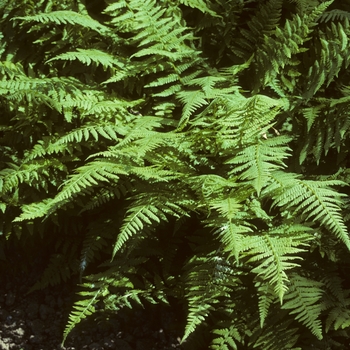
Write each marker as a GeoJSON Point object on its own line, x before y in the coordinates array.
{"type": "Point", "coordinates": [339, 317]}
{"type": "Point", "coordinates": [153, 144]}
{"type": "Point", "coordinates": [58, 270]}
{"type": "Point", "coordinates": [335, 14]}
{"type": "Point", "coordinates": [27, 173]}
{"type": "Point", "coordinates": [302, 299]}
{"type": "Point", "coordinates": [46, 147]}
{"type": "Point", "coordinates": [200, 5]}
{"type": "Point", "coordinates": [280, 334]}
{"type": "Point", "coordinates": [192, 100]}
{"type": "Point", "coordinates": [256, 115]}
{"type": "Point", "coordinates": [206, 83]}
{"type": "Point", "coordinates": [108, 131]}
{"type": "Point", "coordinates": [276, 251]}
{"type": "Point", "coordinates": [153, 173]}
{"type": "Point", "coordinates": [107, 194]}
{"type": "Point", "coordinates": [89, 56]}
{"type": "Point", "coordinates": [280, 49]}
{"type": "Point", "coordinates": [226, 339]}
{"type": "Point", "coordinates": [315, 200]}
{"type": "Point", "coordinates": [263, 22]}
{"type": "Point", "coordinates": [228, 207]}
{"type": "Point", "coordinates": [33, 210]}
{"type": "Point", "coordinates": [232, 237]}
{"type": "Point", "coordinates": [141, 128]}
{"type": "Point", "coordinates": [310, 114]}
{"type": "Point", "coordinates": [260, 160]}
{"type": "Point", "coordinates": [94, 242]}
{"type": "Point", "coordinates": [135, 130]}
{"type": "Point", "coordinates": [64, 17]}
{"type": "Point", "coordinates": [203, 291]}
{"type": "Point", "coordinates": [87, 177]}
{"type": "Point", "coordinates": [148, 210]}
{"type": "Point", "coordinates": [137, 217]}
{"type": "Point", "coordinates": [267, 297]}
{"type": "Point", "coordinates": [170, 78]}
{"type": "Point", "coordinates": [336, 302]}
{"type": "Point", "coordinates": [10, 70]}
{"type": "Point", "coordinates": [83, 308]}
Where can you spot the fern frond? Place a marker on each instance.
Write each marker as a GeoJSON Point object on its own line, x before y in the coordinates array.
{"type": "Point", "coordinates": [302, 299]}
{"type": "Point", "coordinates": [89, 176]}
{"type": "Point", "coordinates": [89, 56]}
{"type": "Point", "coordinates": [256, 115]}
{"type": "Point", "coordinates": [58, 269]}
{"type": "Point", "coordinates": [279, 335]}
{"type": "Point", "coordinates": [137, 217]}
{"type": "Point", "coordinates": [148, 209]}
{"type": "Point", "coordinates": [263, 22]}
{"type": "Point", "coordinates": [280, 49]}
{"type": "Point", "coordinates": [94, 241]}
{"type": "Point", "coordinates": [226, 338]}
{"type": "Point", "coordinates": [33, 210]}
{"type": "Point", "coordinates": [192, 100]}
{"type": "Point", "coordinates": [83, 307]}
{"type": "Point", "coordinates": [36, 173]}
{"type": "Point", "coordinates": [85, 179]}
{"type": "Point", "coordinates": [334, 15]}
{"type": "Point", "coordinates": [260, 160]}
{"type": "Point", "coordinates": [203, 291]}
{"type": "Point", "coordinates": [11, 70]}
{"type": "Point", "coordinates": [108, 131]}
{"type": "Point", "coordinates": [267, 297]}
{"type": "Point", "coordinates": [317, 201]}
{"type": "Point", "coordinates": [275, 251]}
{"type": "Point", "coordinates": [107, 194]}
{"type": "Point", "coordinates": [64, 17]}
{"type": "Point", "coordinates": [336, 303]}
{"type": "Point", "coordinates": [201, 5]}
{"type": "Point", "coordinates": [228, 207]}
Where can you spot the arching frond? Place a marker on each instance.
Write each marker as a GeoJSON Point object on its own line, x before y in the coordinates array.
{"type": "Point", "coordinates": [90, 56]}
{"type": "Point", "coordinates": [64, 17]}
{"type": "Point", "coordinates": [317, 201]}
{"type": "Point", "coordinates": [302, 299]}
{"type": "Point", "coordinates": [260, 160]}
{"type": "Point", "coordinates": [276, 252]}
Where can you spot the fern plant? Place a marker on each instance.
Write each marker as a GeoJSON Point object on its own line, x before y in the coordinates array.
{"type": "Point", "coordinates": [165, 169]}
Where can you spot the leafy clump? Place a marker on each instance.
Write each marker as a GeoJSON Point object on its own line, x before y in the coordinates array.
{"type": "Point", "coordinates": [160, 157]}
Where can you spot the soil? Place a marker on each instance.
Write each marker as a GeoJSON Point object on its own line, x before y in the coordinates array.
{"type": "Point", "coordinates": [36, 321]}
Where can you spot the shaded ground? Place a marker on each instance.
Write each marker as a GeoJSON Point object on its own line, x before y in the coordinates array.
{"type": "Point", "coordinates": [36, 322]}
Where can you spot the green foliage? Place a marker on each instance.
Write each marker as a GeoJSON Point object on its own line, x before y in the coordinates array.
{"type": "Point", "coordinates": [206, 161]}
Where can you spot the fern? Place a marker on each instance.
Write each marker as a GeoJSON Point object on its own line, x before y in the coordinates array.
{"type": "Point", "coordinates": [201, 5]}
{"type": "Point", "coordinates": [273, 248]}
{"type": "Point", "coordinates": [203, 293]}
{"type": "Point", "coordinates": [90, 56]}
{"type": "Point", "coordinates": [280, 335]}
{"type": "Point", "coordinates": [315, 200]}
{"type": "Point", "coordinates": [260, 160]}
{"type": "Point", "coordinates": [139, 140]}
{"type": "Point", "coordinates": [302, 300]}
{"type": "Point", "coordinates": [336, 303]}
{"type": "Point", "coordinates": [82, 309]}
{"type": "Point", "coordinates": [64, 17]}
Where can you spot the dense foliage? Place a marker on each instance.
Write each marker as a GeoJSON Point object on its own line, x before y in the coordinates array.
{"type": "Point", "coordinates": [184, 151]}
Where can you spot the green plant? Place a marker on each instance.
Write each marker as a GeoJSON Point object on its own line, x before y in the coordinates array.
{"type": "Point", "coordinates": [169, 160]}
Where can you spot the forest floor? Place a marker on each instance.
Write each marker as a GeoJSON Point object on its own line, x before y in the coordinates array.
{"type": "Point", "coordinates": [36, 321]}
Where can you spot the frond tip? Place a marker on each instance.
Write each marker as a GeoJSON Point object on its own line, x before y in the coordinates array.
{"type": "Point", "coordinates": [82, 309]}
{"type": "Point", "coordinates": [315, 200]}
{"type": "Point", "coordinates": [302, 299]}
{"type": "Point", "coordinates": [88, 57]}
